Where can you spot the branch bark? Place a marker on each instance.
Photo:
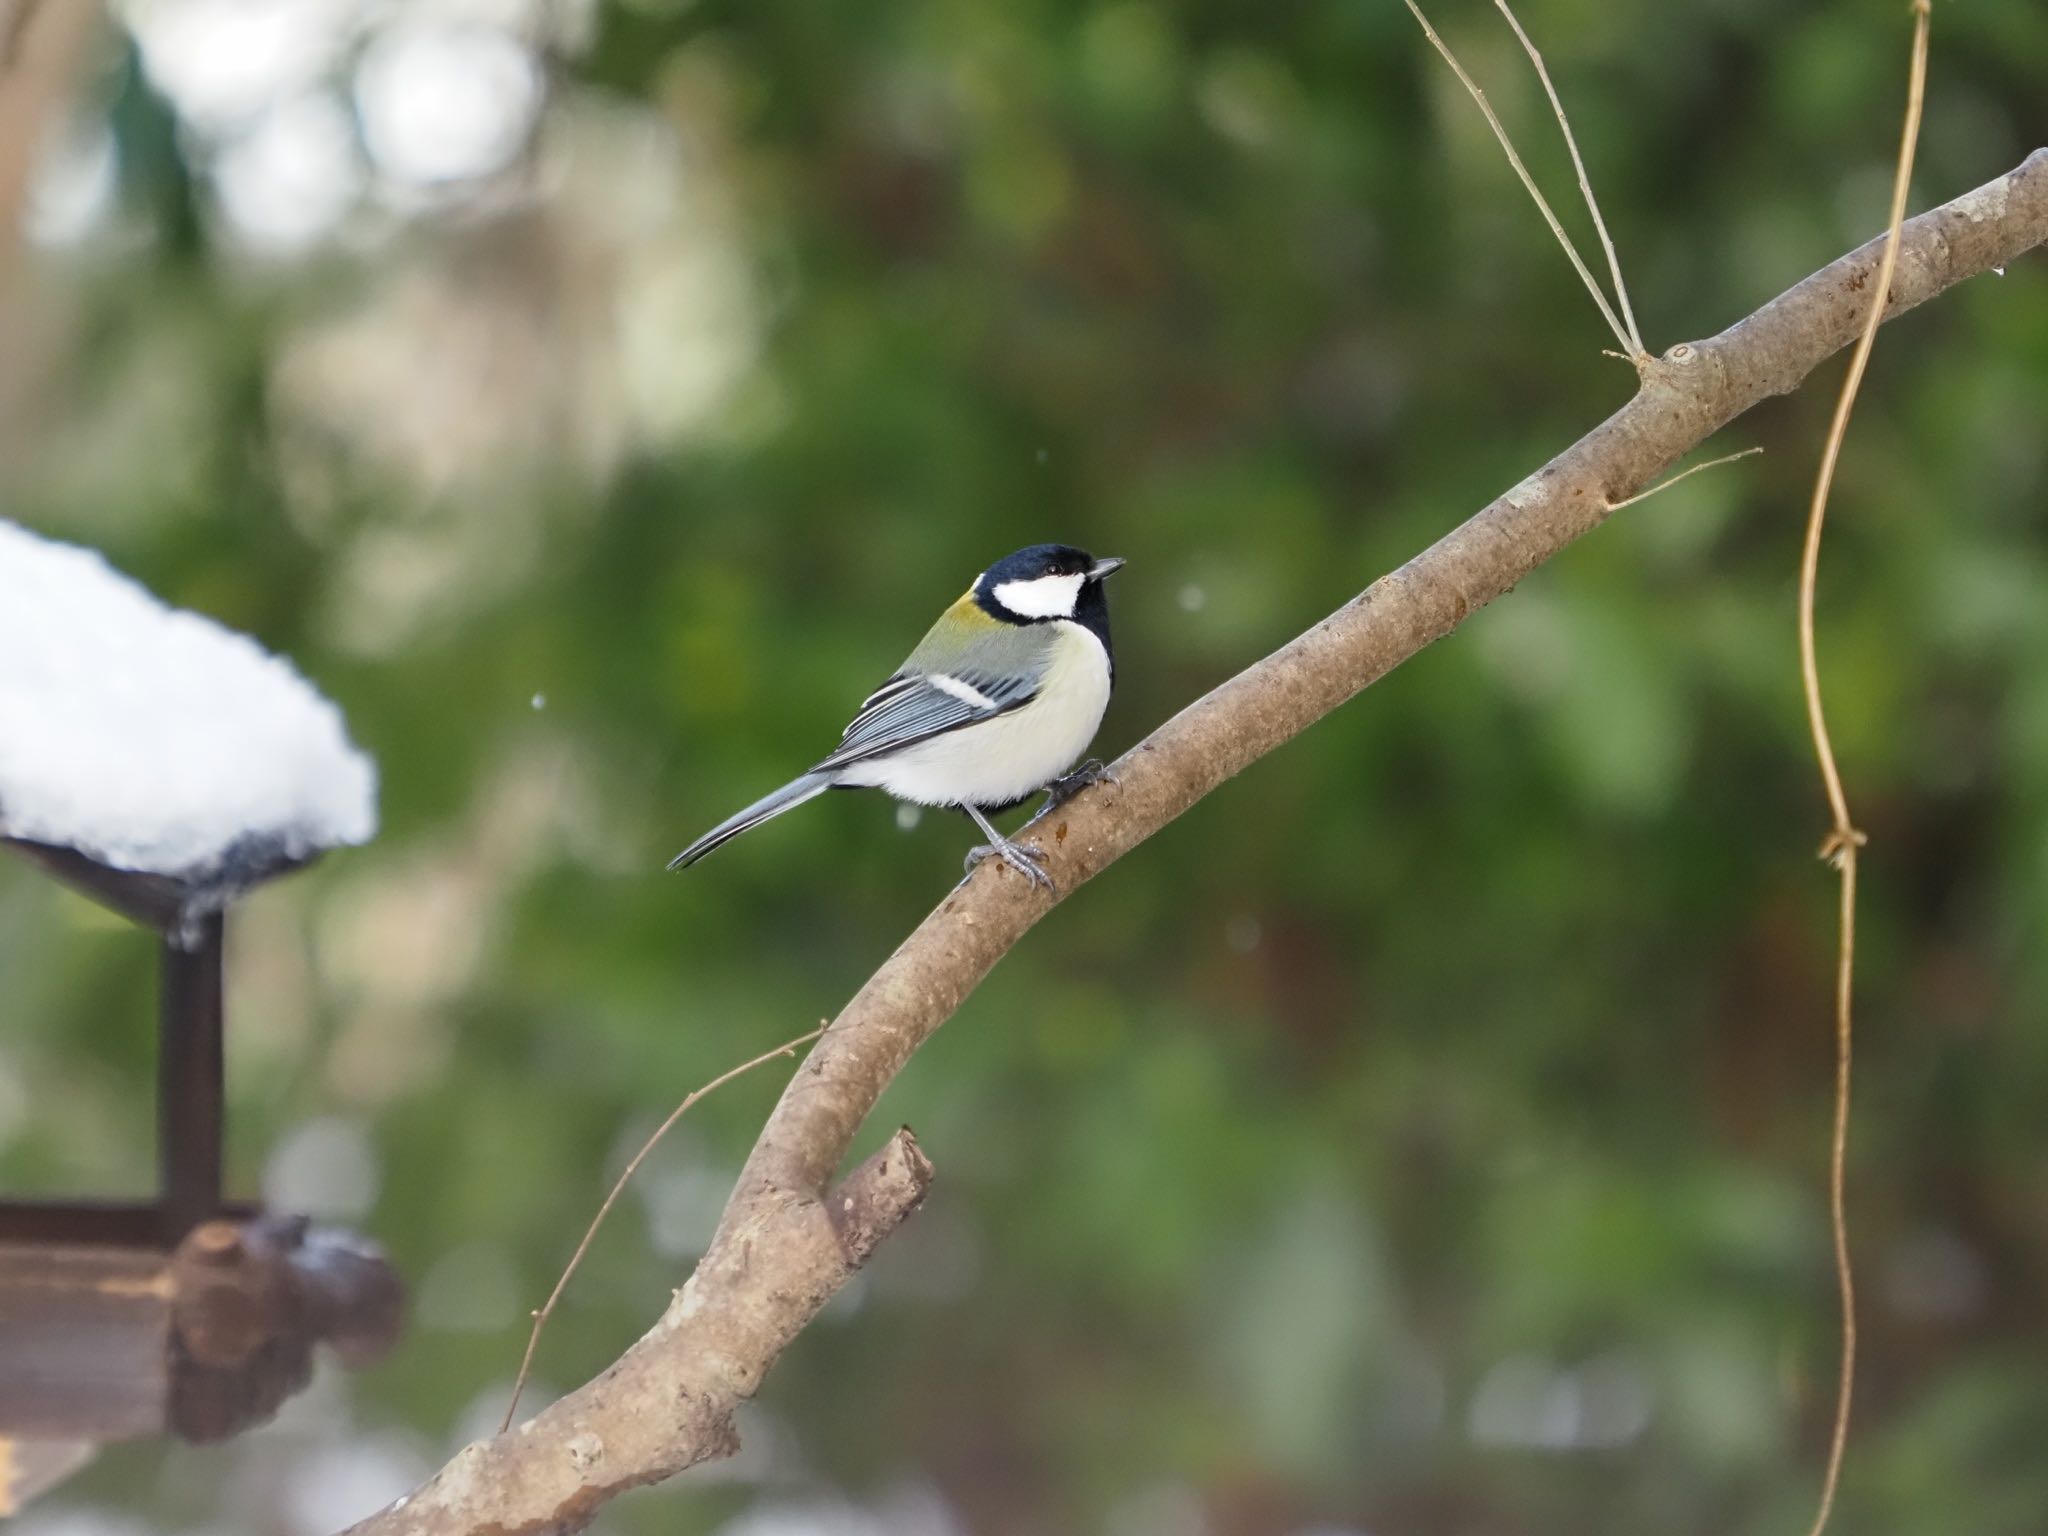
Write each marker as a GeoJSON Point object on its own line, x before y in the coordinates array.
{"type": "Point", "coordinates": [40, 47]}
{"type": "Point", "coordinates": [784, 1244]}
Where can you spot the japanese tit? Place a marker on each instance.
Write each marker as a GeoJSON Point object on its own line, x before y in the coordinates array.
{"type": "Point", "coordinates": [999, 699]}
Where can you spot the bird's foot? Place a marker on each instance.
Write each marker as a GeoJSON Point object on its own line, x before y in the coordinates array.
{"type": "Point", "coordinates": [1064, 788]}
{"type": "Point", "coordinates": [1022, 857]}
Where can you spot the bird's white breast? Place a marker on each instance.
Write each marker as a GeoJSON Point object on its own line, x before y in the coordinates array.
{"type": "Point", "coordinates": [1014, 754]}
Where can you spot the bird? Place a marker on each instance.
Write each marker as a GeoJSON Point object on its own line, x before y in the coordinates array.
{"type": "Point", "coordinates": [998, 701]}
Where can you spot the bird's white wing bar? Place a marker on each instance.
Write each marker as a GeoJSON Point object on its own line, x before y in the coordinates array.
{"type": "Point", "coordinates": [962, 690]}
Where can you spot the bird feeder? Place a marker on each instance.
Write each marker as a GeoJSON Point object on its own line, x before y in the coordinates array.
{"type": "Point", "coordinates": [164, 766]}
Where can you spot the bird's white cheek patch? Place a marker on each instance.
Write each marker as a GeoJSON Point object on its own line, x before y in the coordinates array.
{"type": "Point", "coordinates": [1043, 597]}
{"type": "Point", "coordinates": [966, 693]}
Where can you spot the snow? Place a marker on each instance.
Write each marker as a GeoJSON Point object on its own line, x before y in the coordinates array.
{"type": "Point", "coordinates": [150, 738]}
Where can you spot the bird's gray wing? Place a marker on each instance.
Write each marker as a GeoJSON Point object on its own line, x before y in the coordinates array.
{"type": "Point", "coordinates": [997, 670]}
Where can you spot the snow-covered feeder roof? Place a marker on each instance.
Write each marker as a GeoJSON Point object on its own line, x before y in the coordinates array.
{"type": "Point", "coordinates": [150, 738]}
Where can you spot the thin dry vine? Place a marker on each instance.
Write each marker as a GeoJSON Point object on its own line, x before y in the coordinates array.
{"type": "Point", "coordinates": [546, 1309]}
{"type": "Point", "coordinates": [1844, 838]}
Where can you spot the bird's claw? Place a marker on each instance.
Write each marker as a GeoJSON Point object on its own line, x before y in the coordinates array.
{"type": "Point", "coordinates": [1022, 857]}
{"type": "Point", "coordinates": [1064, 788]}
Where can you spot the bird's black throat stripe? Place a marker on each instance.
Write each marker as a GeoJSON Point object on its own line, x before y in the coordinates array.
{"type": "Point", "coordinates": [1091, 612]}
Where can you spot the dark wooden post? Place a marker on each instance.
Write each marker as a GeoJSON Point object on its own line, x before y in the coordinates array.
{"type": "Point", "coordinates": [189, 1078]}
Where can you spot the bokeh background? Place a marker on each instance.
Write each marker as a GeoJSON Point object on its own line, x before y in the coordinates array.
{"type": "Point", "coordinates": [1425, 1135]}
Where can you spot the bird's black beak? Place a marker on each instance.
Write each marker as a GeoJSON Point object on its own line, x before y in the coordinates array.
{"type": "Point", "coordinates": [1102, 568]}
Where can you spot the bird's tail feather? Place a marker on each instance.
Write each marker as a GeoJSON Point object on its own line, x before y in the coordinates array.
{"type": "Point", "coordinates": [792, 794]}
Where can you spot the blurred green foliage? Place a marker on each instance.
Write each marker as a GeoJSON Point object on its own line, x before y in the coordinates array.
{"type": "Point", "coordinates": [1427, 1133]}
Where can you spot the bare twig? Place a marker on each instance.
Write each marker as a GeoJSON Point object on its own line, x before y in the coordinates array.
{"type": "Point", "coordinates": [1683, 474]}
{"type": "Point", "coordinates": [547, 1308]}
{"type": "Point", "coordinates": [1635, 337]}
{"type": "Point", "coordinates": [787, 1241]}
{"type": "Point", "coordinates": [1844, 840]}
{"type": "Point", "coordinates": [1625, 337]}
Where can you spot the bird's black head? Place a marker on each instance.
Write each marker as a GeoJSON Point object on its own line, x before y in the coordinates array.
{"type": "Point", "coordinates": [1045, 582]}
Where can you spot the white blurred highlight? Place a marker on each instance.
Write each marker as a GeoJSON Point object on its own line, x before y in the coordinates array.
{"type": "Point", "coordinates": [222, 62]}
{"type": "Point", "coordinates": [292, 177]}
{"type": "Point", "coordinates": [1525, 1402]}
{"type": "Point", "coordinates": [444, 93]}
{"type": "Point", "coordinates": [446, 103]}
{"type": "Point", "coordinates": [75, 179]}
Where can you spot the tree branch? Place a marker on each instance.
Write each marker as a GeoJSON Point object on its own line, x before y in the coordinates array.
{"type": "Point", "coordinates": [40, 47]}
{"type": "Point", "coordinates": [784, 1246]}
